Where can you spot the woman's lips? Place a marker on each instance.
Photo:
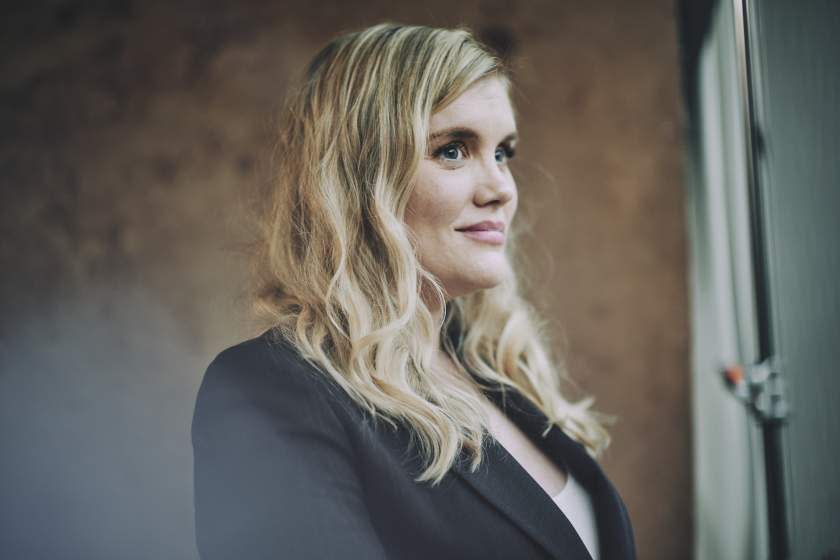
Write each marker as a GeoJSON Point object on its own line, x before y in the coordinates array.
{"type": "Point", "coordinates": [494, 237]}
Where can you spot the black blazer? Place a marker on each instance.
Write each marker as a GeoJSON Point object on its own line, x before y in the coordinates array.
{"type": "Point", "coordinates": [287, 466]}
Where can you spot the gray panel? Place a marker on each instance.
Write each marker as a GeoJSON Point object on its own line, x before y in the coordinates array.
{"type": "Point", "coordinates": [798, 95]}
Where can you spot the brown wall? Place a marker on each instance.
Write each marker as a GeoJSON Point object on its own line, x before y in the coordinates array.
{"type": "Point", "coordinates": [130, 135]}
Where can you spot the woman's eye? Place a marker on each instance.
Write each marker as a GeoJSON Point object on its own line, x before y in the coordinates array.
{"type": "Point", "coordinates": [451, 152]}
{"type": "Point", "coordinates": [504, 153]}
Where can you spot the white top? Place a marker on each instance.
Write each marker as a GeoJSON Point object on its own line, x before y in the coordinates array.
{"type": "Point", "coordinates": [576, 504]}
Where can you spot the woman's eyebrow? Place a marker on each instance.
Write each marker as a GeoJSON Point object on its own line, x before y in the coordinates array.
{"type": "Point", "coordinates": [463, 133]}
{"type": "Point", "coordinates": [458, 133]}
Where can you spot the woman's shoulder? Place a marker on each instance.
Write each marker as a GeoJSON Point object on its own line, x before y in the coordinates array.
{"type": "Point", "coordinates": [265, 376]}
{"type": "Point", "coordinates": [265, 359]}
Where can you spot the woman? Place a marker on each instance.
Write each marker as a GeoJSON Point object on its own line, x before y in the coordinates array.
{"type": "Point", "coordinates": [403, 405]}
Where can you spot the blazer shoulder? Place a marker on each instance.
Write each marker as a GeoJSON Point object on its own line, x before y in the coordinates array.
{"type": "Point", "coordinates": [268, 376]}
{"type": "Point", "coordinates": [275, 472]}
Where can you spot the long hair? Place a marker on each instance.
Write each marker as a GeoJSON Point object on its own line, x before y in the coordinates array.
{"type": "Point", "coordinates": [339, 277]}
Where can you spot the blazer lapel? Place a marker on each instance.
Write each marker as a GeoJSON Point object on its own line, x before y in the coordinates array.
{"type": "Point", "coordinates": [506, 485]}
{"type": "Point", "coordinates": [503, 483]}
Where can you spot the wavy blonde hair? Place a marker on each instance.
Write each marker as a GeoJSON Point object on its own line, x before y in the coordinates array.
{"type": "Point", "coordinates": [338, 274]}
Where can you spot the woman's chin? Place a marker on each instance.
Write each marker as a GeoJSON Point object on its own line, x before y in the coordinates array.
{"type": "Point", "coordinates": [479, 283]}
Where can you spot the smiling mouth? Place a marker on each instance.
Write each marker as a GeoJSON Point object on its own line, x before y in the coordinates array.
{"type": "Point", "coordinates": [490, 236]}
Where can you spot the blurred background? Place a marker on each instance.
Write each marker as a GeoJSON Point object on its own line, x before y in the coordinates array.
{"type": "Point", "coordinates": [135, 136]}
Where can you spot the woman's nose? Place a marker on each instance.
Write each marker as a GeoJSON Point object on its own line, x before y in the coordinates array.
{"type": "Point", "coordinates": [495, 184]}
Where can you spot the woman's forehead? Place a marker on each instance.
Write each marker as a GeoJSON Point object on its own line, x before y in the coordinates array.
{"type": "Point", "coordinates": [484, 108]}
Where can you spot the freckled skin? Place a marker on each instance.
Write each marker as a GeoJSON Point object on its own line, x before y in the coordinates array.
{"type": "Point", "coordinates": [465, 185]}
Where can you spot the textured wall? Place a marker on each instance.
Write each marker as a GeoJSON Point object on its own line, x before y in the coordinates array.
{"type": "Point", "coordinates": [130, 136]}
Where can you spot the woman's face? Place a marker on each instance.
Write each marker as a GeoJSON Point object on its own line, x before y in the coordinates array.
{"type": "Point", "coordinates": [465, 197]}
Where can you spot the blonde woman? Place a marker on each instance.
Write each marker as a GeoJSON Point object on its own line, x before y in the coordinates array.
{"type": "Point", "coordinates": [403, 404]}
